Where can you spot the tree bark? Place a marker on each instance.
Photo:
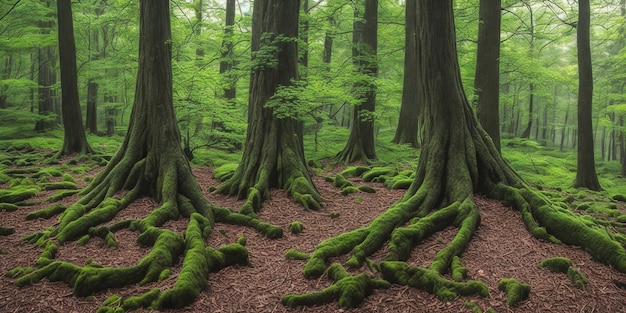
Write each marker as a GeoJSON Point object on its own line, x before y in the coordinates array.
{"type": "Point", "coordinates": [487, 77]}
{"type": "Point", "coordinates": [407, 129]}
{"type": "Point", "coordinates": [227, 63]}
{"type": "Point", "coordinates": [273, 156]}
{"type": "Point", "coordinates": [360, 145]}
{"type": "Point", "coordinates": [74, 140]}
{"type": "Point", "coordinates": [586, 176]}
{"type": "Point", "coordinates": [91, 122]}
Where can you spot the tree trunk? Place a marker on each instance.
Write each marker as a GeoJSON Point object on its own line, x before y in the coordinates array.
{"type": "Point", "coordinates": [6, 74]}
{"type": "Point", "coordinates": [487, 77]}
{"type": "Point", "coordinates": [360, 145]}
{"type": "Point", "coordinates": [458, 160]}
{"type": "Point", "coordinates": [74, 140]}
{"type": "Point", "coordinates": [531, 103]}
{"type": "Point", "coordinates": [92, 107]}
{"type": "Point", "coordinates": [227, 63]}
{"type": "Point", "coordinates": [586, 176]}
{"type": "Point", "coordinates": [328, 45]}
{"type": "Point", "coordinates": [273, 156]}
{"type": "Point", "coordinates": [406, 131]}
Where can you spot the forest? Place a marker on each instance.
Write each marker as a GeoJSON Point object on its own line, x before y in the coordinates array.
{"type": "Point", "coordinates": [313, 156]}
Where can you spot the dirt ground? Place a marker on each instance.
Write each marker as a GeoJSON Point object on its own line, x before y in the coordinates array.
{"type": "Point", "coordinates": [500, 248]}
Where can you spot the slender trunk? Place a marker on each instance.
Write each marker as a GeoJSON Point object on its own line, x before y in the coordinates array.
{"type": "Point", "coordinates": [406, 131]}
{"type": "Point", "coordinates": [92, 109]}
{"type": "Point", "coordinates": [74, 140]}
{"type": "Point", "coordinates": [487, 76]}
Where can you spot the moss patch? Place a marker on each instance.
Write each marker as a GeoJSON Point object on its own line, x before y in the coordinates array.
{"type": "Point", "coordinates": [516, 292]}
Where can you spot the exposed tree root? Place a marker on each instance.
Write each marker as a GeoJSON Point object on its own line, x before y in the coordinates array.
{"type": "Point", "coordinates": [441, 196]}
{"type": "Point", "coordinates": [272, 161]}
{"type": "Point", "coordinates": [179, 196]}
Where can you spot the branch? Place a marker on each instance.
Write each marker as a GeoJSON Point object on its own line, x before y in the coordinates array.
{"type": "Point", "coordinates": [11, 9]}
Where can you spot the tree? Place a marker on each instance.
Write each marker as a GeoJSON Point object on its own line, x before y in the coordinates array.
{"type": "Point", "coordinates": [150, 163]}
{"type": "Point", "coordinates": [487, 78]}
{"type": "Point", "coordinates": [406, 131]}
{"type": "Point", "coordinates": [273, 156]}
{"type": "Point", "coordinates": [74, 140]}
{"type": "Point", "coordinates": [458, 160]}
{"type": "Point", "coordinates": [360, 145]}
{"type": "Point", "coordinates": [46, 77]}
{"type": "Point", "coordinates": [586, 170]}
{"type": "Point", "coordinates": [227, 63]}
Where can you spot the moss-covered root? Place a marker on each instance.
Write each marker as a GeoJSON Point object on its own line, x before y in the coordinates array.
{"type": "Point", "coordinates": [227, 216]}
{"type": "Point", "coordinates": [556, 264]}
{"type": "Point", "coordinates": [349, 290]}
{"type": "Point", "coordinates": [193, 276]}
{"type": "Point", "coordinates": [516, 292]}
{"type": "Point", "coordinates": [431, 281]}
{"type": "Point", "coordinates": [545, 220]}
{"type": "Point", "coordinates": [577, 277]}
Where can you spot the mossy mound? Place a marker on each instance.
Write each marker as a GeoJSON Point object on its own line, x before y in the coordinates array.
{"type": "Point", "coordinates": [296, 227]}
{"type": "Point", "coordinates": [224, 172]}
{"type": "Point", "coordinates": [516, 292]}
{"type": "Point", "coordinates": [556, 264]}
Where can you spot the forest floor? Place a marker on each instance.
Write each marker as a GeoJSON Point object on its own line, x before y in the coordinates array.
{"type": "Point", "coordinates": [500, 248]}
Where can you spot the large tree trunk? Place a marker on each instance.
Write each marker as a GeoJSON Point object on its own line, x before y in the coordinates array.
{"type": "Point", "coordinates": [487, 78]}
{"type": "Point", "coordinates": [273, 156]}
{"type": "Point", "coordinates": [406, 132]}
{"type": "Point", "coordinates": [150, 163]}
{"type": "Point", "coordinates": [586, 176]}
{"type": "Point", "coordinates": [360, 145]}
{"type": "Point", "coordinates": [458, 160]}
{"type": "Point", "coordinates": [74, 140]}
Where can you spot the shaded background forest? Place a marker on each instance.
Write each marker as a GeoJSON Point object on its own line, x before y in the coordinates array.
{"type": "Point", "coordinates": [211, 65]}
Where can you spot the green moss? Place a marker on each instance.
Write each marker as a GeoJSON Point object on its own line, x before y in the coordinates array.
{"type": "Point", "coordinates": [65, 185]}
{"type": "Point", "coordinates": [619, 197]}
{"type": "Point", "coordinates": [341, 182]}
{"type": "Point", "coordinates": [242, 240]}
{"type": "Point", "coordinates": [143, 301]}
{"type": "Point", "coordinates": [61, 194]}
{"type": "Point", "coordinates": [334, 215]}
{"type": "Point", "coordinates": [105, 212]}
{"type": "Point", "coordinates": [430, 281]}
{"type": "Point", "coordinates": [192, 278]}
{"type": "Point", "coordinates": [366, 188]}
{"type": "Point", "coordinates": [621, 218]}
{"type": "Point", "coordinates": [225, 171]}
{"type": "Point", "coordinates": [47, 213]}
{"type": "Point", "coordinates": [18, 193]}
{"type": "Point", "coordinates": [578, 278]}
{"type": "Point", "coordinates": [458, 271]}
{"type": "Point", "coordinates": [5, 231]}
{"type": "Point", "coordinates": [8, 207]}
{"type": "Point", "coordinates": [228, 216]}
{"type": "Point", "coordinates": [294, 254]}
{"type": "Point", "coordinates": [68, 178]}
{"type": "Point", "coordinates": [516, 292]}
{"type": "Point", "coordinates": [349, 190]}
{"type": "Point", "coordinates": [354, 171]}
{"type": "Point", "coordinates": [375, 172]}
{"type": "Point", "coordinates": [349, 290]}
{"type": "Point", "coordinates": [296, 227]}
{"type": "Point", "coordinates": [556, 264]}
